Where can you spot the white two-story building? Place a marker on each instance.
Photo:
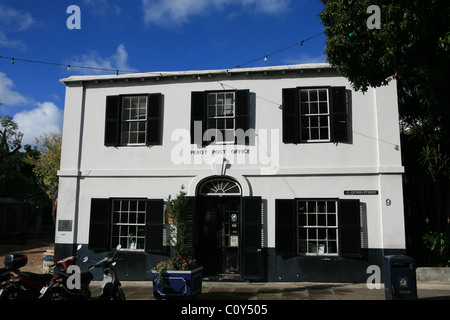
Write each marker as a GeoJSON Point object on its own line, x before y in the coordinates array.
{"type": "Point", "coordinates": [291, 175]}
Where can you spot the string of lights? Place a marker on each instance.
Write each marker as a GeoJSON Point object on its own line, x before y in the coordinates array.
{"type": "Point", "coordinates": [117, 71]}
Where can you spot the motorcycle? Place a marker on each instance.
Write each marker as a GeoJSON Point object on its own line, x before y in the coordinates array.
{"type": "Point", "coordinates": [60, 288]}
{"type": "Point", "coordinates": [25, 285]}
{"type": "Point", "coordinates": [6, 272]}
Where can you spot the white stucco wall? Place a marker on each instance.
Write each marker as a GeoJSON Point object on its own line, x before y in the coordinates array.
{"type": "Point", "coordinates": [317, 170]}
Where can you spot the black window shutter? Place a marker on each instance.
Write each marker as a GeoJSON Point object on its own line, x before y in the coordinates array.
{"type": "Point", "coordinates": [349, 228]}
{"type": "Point", "coordinates": [198, 114]}
{"type": "Point", "coordinates": [252, 256]}
{"type": "Point", "coordinates": [112, 121]}
{"type": "Point", "coordinates": [285, 227]}
{"type": "Point", "coordinates": [154, 123]}
{"type": "Point", "coordinates": [154, 226]}
{"type": "Point", "coordinates": [339, 115]}
{"type": "Point", "coordinates": [100, 225]}
{"type": "Point", "coordinates": [242, 110]}
{"type": "Point", "coordinates": [190, 226]}
{"type": "Point", "coordinates": [291, 123]}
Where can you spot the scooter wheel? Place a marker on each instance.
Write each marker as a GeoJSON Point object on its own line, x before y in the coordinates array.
{"type": "Point", "coordinates": [13, 293]}
{"type": "Point", "coordinates": [55, 294]}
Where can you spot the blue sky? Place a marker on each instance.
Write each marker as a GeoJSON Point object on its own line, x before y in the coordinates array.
{"type": "Point", "coordinates": [140, 36]}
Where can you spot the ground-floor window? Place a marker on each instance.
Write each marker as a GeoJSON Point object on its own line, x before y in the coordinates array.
{"type": "Point", "coordinates": [128, 224]}
{"type": "Point", "coordinates": [317, 227]}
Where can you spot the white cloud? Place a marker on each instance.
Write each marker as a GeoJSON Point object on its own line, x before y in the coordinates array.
{"type": "Point", "coordinates": [12, 20]}
{"type": "Point", "coordinates": [47, 117]}
{"type": "Point", "coordinates": [117, 61]}
{"type": "Point", "coordinates": [307, 58]}
{"type": "Point", "coordinates": [8, 95]}
{"type": "Point", "coordinates": [168, 13]}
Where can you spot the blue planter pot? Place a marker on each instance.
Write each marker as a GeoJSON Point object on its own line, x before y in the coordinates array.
{"type": "Point", "coordinates": [183, 285]}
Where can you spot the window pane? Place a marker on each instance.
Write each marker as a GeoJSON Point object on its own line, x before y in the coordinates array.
{"type": "Point", "coordinates": [332, 235]}
{"type": "Point", "coordinates": [304, 108]}
{"type": "Point", "coordinates": [323, 95]}
{"type": "Point", "coordinates": [302, 206]}
{"type": "Point", "coordinates": [141, 217]}
{"type": "Point", "coordinates": [314, 134]}
{"type": "Point", "coordinates": [331, 206]}
{"type": "Point", "coordinates": [134, 102]}
{"type": "Point", "coordinates": [313, 95]}
{"type": "Point", "coordinates": [322, 220]}
{"type": "Point", "coordinates": [141, 137]}
{"type": "Point", "coordinates": [312, 220]}
{"type": "Point", "coordinates": [211, 111]}
{"type": "Point", "coordinates": [323, 107]}
{"type": "Point", "coordinates": [229, 98]}
{"type": "Point", "coordinates": [331, 220]}
{"type": "Point", "coordinates": [324, 133]}
{"type": "Point", "coordinates": [313, 108]}
{"type": "Point", "coordinates": [304, 95]}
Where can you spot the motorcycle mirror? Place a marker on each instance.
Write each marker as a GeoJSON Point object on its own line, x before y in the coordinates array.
{"type": "Point", "coordinates": [118, 247]}
{"type": "Point", "coordinates": [79, 247]}
{"type": "Point", "coordinates": [85, 259]}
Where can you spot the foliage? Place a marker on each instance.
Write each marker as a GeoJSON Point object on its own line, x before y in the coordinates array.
{"type": "Point", "coordinates": [175, 263]}
{"type": "Point", "coordinates": [412, 45]}
{"type": "Point", "coordinates": [10, 137]}
{"type": "Point", "coordinates": [46, 165]}
{"type": "Point", "coordinates": [177, 212]}
{"type": "Point", "coordinates": [438, 242]}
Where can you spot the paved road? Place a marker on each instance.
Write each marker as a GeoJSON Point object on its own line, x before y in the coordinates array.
{"type": "Point", "coordinates": [284, 291]}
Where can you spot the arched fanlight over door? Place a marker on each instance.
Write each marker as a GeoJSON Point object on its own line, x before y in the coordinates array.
{"type": "Point", "coordinates": [220, 187]}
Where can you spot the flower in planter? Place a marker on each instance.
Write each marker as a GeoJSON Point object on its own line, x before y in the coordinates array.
{"type": "Point", "coordinates": [173, 264]}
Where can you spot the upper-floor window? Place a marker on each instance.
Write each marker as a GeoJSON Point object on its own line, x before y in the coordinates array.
{"type": "Point", "coordinates": [220, 117]}
{"type": "Point", "coordinates": [317, 114]}
{"type": "Point", "coordinates": [133, 120]}
{"type": "Point", "coordinates": [221, 114]}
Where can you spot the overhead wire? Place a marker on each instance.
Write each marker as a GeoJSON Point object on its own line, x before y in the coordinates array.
{"type": "Point", "coordinates": [117, 71]}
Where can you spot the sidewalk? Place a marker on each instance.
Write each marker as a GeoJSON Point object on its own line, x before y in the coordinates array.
{"type": "Point", "coordinates": [283, 291]}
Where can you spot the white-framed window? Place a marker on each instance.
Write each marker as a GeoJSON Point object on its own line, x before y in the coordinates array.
{"type": "Point", "coordinates": [128, 223]}
{"type": "Point", "coordinates": [314, 114]}
{"type": "Point", "coordinates": [317, 225]}
{"type": "Point", "coordinates": [134, 120]}
{"type": "Point", "coordinates": [221, 114]}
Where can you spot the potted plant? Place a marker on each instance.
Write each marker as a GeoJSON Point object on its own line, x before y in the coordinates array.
{"type": "Point", "coordinates": [178, 277]}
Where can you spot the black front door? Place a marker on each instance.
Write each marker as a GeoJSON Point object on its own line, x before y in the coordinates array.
{"type": "Point", "coordinates": [218, 235]}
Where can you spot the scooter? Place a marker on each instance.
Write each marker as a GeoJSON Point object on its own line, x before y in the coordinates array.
{"type": "Point", "coordinates": [6, 273]}
{"type": "Point", "coordinates": [25, 285]}
{"type": "Point", "coordinates": [60, 289]}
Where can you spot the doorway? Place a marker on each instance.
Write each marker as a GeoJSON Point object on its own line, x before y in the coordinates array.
{"type": "Point", "coordinates": [219, 235]}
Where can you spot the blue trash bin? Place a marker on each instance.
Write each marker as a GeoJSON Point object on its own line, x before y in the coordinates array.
{"type": "Point", "coordinates": [400, 278]}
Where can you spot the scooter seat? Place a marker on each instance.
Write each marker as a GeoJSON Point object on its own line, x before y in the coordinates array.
{"type": "Point", "coordinates": [43, 278]}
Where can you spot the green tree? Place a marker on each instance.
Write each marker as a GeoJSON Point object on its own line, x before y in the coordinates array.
{"type": "Point", "coordinates": [46, 165]}
{"type": "Point", "coordinates": [412, 46]}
